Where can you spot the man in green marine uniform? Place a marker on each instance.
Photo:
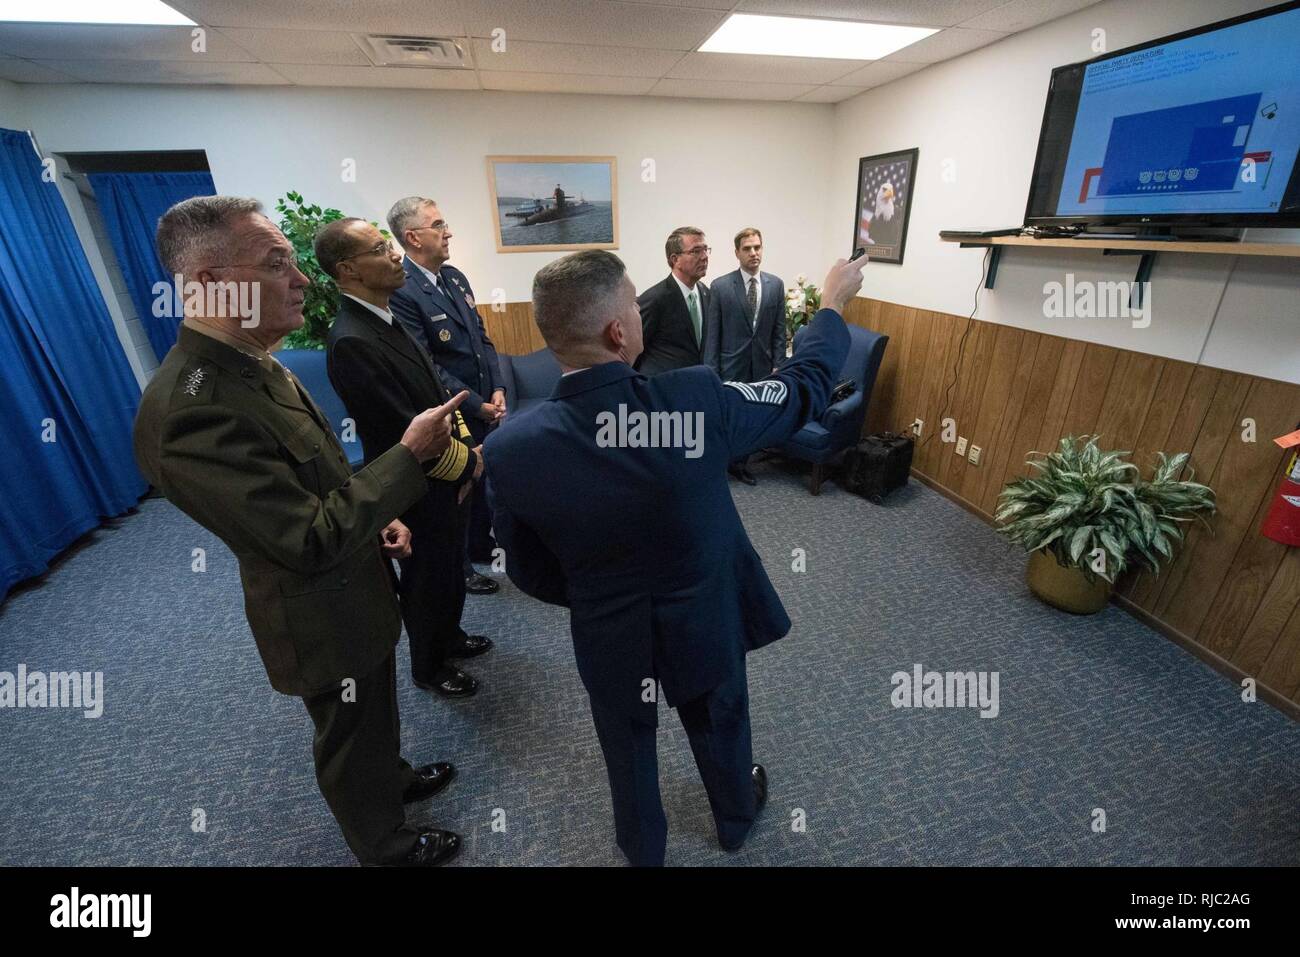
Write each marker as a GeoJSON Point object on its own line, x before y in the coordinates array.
{"type": "Point", "coordinates": [234, 440]}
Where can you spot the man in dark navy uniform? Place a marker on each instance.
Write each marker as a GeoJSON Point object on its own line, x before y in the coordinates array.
{"type": "Point", "coordinates": [611, 499]}
{"type": "Point", "coordinates": [436, 306]}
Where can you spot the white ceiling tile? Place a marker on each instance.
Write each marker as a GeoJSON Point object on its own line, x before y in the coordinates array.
{"type": "Point", "coordinates": [168, 71]}
{"type": "Point", "coordinates": [406, 17]}
{"type": "Point", "coordinates": [1023, 14]}
{"type": "Point", "coordinates": [829, 94]}
{"type": "Point", "coordinates": [699, 4]}
{"type": "Point", "coordinates": [599, 22]}
{"type": "Point", "coordinates": [875, 74]}
{"type": "Point", "coordinates": [746, 67]}
{"type": "Point", "coordinates": [24, 71]}
{"type": "Point", "coordinates": [63, 41]}
{"type": "Point", "coordinates": [724, 90]}
{"type": "Point", "coordinates": [925, 13]}
{"type": "Point", "coordinates": [944, 45]}
{"type": "Point", "coordinates": [298, 46]}
{"type": "Point", "coordinates": [404, 78]}
{"type": "Point", "coordinates": [566, 83]}
{"type": "Point", "coordinates": [529, 57]}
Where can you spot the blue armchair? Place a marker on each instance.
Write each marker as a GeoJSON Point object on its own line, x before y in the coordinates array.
{"type": "Point", "coordinates": [824, 441]}
{"type": "Point", "coordinates": [529, 379]}
{"type": "Point", "coordinates": [309, 366]}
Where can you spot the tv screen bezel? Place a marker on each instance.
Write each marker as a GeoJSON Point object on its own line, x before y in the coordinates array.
{"type": "Point", "coordinates": [1282, 219]}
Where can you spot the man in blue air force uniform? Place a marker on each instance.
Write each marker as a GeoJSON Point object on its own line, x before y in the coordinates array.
{"type": "Point", "coordinates": [436, 306]}
{"type": "Point", "coordinates": [612, 499]}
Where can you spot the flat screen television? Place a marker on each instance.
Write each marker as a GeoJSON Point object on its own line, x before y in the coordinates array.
{"type": "Point", "coordinates": [1197, 129]}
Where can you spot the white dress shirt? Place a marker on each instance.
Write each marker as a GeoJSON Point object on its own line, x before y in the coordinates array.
{"type": "Point", "coordinates": [686, 294]}
{"type": "Point", "coordinates": [383, 314]}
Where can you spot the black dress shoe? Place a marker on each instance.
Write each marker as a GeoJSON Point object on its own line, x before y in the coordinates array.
{"type": "Point", "coordinates": [450, 683]}
{"type": "Point", "coordinates": [433, 847]}
{"type": "Point", "coordinates": [471, 646]}
{"type": "Point", "coordinates": [759, 776]}
{"type": "Point", "coordinates": [429, 780]}
{"type": "Point", "coordinates": [742, 473]}
{"type": "Point", "coordinates": [477, 584]}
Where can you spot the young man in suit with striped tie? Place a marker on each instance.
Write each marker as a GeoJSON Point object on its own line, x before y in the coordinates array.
{"type": "Point", "coordinates": [746, 336]}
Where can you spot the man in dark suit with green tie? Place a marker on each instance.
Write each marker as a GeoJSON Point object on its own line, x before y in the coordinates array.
{"type": "Point", "coordinates": [675, 312]}
{"type": "Point", "coordinates": [234, 441]}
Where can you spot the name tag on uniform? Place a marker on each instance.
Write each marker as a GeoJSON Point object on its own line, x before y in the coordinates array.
{"type": "Point", "coordinates": [438, 318]}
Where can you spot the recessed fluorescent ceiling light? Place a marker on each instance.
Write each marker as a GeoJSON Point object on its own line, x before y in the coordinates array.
{"type": "Point", "coordinates": [138, 12]}
{"type": "Point", "coordinates": [798, 36]}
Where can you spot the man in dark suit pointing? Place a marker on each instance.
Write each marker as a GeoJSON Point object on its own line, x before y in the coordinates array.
{"type": "Point", "coordinates": [675, 312]}
{"type": "Point", "coordinates": [611, 499]}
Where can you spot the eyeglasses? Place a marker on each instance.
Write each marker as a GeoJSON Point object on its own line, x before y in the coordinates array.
{"type": "Point", "coordinates": [375, 250]}
{"type": "Point", "coordinates": [697, 251]}
{"type": "Point", "coordinates": [281, 264]}
{"type": "Point", "coordinates": [438, 226]}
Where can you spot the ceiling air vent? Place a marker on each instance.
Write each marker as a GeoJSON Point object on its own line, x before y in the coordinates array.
{"type": "Point", "coordinates": [429, 53]}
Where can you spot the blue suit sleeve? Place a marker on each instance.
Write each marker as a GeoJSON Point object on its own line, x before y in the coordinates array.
{"type": "Point", "coordinates": [758, 414]}
{"type": "Point", "coordinates": [489, 350]}
{"type": "Point", "coordinates": [529, 563]}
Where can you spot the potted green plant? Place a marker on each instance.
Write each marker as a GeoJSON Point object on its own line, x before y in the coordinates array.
{"type": "Point", "coordinates": [802, 301]}
{"type": "Point", "coordinates": [300, 223]}
{"type": "Point", "coordinates": [1088, 515]}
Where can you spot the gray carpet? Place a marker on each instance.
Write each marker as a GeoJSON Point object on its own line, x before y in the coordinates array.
{"type": "Point", "coordinates": [1096, 712]}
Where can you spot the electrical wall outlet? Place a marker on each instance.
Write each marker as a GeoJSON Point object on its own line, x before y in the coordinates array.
{"type": "Point", "coordinates": [961, 445]}
{"type": "Point", "coordinates": [917, 426]}
{"type": "Point", "coordinates": [975, 451]}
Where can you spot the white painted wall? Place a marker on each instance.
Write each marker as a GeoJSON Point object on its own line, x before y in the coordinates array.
{"type": "Point", "coordinates": [11, 113]}
{"type": "Point", "coordinates": [719, 165]}
{"type": "Point", "coordinates": [983, 111]}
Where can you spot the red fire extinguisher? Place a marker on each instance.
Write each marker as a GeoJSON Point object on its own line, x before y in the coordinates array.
{"type": "Point", "coordinates": [1283, 520]}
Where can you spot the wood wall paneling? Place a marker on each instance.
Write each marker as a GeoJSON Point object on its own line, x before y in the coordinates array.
{"type": "Point", "coordinates": [1229, 592]}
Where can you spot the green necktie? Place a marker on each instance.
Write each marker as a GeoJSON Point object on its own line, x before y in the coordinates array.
{"type": "Point", "coordinates": [695, 314]}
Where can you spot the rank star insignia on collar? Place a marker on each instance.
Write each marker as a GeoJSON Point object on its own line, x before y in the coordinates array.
{"type": "Point", "coordinates": [193, 381]}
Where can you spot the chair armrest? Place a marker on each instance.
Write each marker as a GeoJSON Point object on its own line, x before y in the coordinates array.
{"type": "Point", "coordinates": [843, 409]}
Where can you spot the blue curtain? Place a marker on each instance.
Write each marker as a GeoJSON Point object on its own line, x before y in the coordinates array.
{"type": "Point", "coordinates": [67, 395]}
{"type": "Point", "coordinates": [132, 204]}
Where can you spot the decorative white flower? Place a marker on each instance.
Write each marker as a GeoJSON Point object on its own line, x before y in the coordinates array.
{"type": "Point", "coordinates": [801, 279]}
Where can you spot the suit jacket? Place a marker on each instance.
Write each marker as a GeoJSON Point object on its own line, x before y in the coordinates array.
{"type": "Point", "coordinates": [385, 380]}
{"type": "Point", "coordinates": [667, 333]}
{"type": "Point", "coordinates": [238, 454]}
{"type": "Point", "coordinates": [738, 350]}
{"type": "Point", "coordinates": [451, 331]}
{"type": "Point", "coordinates": [644, 545]}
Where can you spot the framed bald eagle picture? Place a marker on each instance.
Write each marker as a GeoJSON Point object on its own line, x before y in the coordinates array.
{"type": "Point", "coordinates": [884, 204]}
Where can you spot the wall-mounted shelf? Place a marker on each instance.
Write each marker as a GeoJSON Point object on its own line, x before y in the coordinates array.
{"type": "Point", "coordinates": [1146, 248]}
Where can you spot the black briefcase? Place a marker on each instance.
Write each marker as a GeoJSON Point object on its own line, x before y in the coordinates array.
{"type": "Point", "coordinates": [878, 465]}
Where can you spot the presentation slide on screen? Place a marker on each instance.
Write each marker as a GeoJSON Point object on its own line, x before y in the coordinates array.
{"type": "Point", "coordinates": [1209, 124]}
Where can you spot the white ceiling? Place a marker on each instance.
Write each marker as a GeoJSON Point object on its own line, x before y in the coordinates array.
{"type": "Point", "coordinates": [633, 47]}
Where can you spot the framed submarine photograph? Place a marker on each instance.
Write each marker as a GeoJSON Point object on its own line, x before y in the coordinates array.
{"type": "Point", "coordinates": [554, 203]}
